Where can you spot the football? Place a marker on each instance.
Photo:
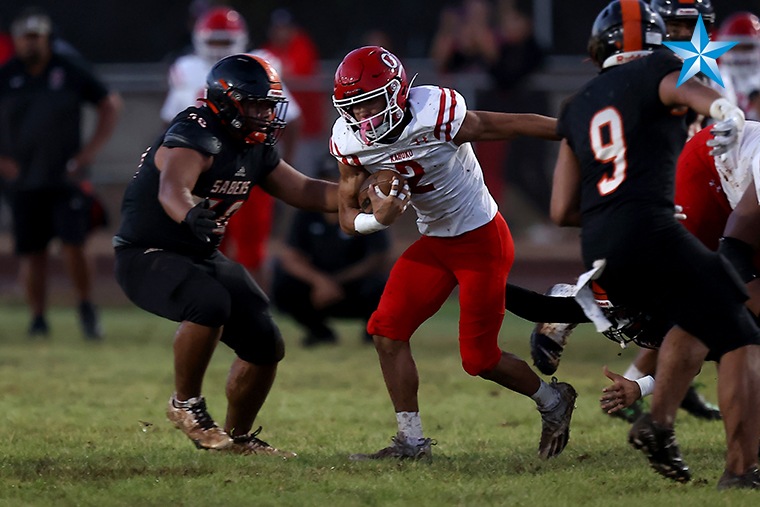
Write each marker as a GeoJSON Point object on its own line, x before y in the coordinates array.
{"type": "Point", "coordinates": [383, 180]}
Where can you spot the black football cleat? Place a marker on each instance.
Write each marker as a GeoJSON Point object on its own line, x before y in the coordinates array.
{"type": "Point", "coordinates": [748, 480]}
{"type": "Point", "coordinates": [697, 406]}
{"type": "Point", "coordinates": [660, 447]}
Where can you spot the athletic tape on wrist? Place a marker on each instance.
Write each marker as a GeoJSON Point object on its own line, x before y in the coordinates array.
{"type": "Point", "coordinates": [646, 385]}
{"type": "Point", "coordinates": [366, 223]}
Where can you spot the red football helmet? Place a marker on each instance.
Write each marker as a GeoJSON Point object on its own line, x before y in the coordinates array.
{"type": "Point", "coordinates": [743, 60]}
{"type": "Point", "coordinates": [364, 74]}
{"type": "Point", "coordinates": [220, 32]}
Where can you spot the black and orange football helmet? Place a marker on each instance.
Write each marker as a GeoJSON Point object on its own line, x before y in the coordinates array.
{"type": "Point", "coordinates": [623, 31]}
{"type": "Point", "coordinates": [239, 78]}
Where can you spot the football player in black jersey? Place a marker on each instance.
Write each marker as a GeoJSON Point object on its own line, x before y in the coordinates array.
{"type": "Point", "coordinates": [614, 177]}
{"type": "Point", "coordinates": [549, 338]}
{"type": "Point", "coordinates": [189, 184]}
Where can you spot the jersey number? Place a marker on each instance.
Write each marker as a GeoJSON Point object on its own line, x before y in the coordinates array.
{"type": "Point", "coordinates": [413, 172]}
{"type": "Point", "coordinates": [224, 215]}
{"type": "Point", "coordinates": [608, 145]}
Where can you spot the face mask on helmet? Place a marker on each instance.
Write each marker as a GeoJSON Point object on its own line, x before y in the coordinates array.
{"type": "Point", "coordinates": [681, 16]}
{"type": "Point", "coordinates": [629, 326]}
{"type": "Point", "coordinates": [245, 93]}
{"type": "Point", "coordinates": [218, 33]}
{"type": "Point", "coordinates": [639, 328]}
{"type": "Point", "coordinates": [625, 30]}
{"type": "Point", "coordinates": [371, 81]}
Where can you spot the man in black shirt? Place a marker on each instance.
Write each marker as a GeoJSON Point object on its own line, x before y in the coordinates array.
{"type": "Point", "coordinates": [43, 158]}
{"type": "Point", "coordinates": [189, 184]}
{"type": "Point", "coordinates": [323, 272]}
{"type": "Point", "coordinates": [615, 176]}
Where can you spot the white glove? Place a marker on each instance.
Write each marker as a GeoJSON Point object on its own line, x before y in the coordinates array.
{"type": "Point", "coordinates": [678, 212]}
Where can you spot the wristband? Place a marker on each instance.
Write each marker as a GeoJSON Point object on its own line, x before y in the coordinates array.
{"type": "Point", "coordinates": [366, 223]}
{"type": "Point", "coordinates": [646, 385]}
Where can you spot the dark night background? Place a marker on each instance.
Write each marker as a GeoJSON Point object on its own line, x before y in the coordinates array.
{"type": "Point", "coordinates": [152, 30]}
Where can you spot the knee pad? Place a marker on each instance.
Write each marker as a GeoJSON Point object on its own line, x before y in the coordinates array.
{"type": "Point", "coordinates": [476, 361]}
{"type": "Point", "coordinates": [263, 345]}
{"type": "Point", "coordinates": [212, 310]}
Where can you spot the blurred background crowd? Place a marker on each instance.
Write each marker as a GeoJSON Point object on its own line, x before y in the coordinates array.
{"type": "Point", "coordinates": [502, 55]}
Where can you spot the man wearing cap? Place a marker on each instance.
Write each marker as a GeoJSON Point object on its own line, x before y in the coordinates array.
{"type": "Point", "coordinates": [44, 159]}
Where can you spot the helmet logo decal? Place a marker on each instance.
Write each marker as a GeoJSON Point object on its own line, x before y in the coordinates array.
{"type": "Point", "coordinates": [700, 54]}
{"type": "Point", "coordinates": [389, 60]}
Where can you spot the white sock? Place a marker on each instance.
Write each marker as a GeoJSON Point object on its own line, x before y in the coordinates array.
{"type": "Point", "coordinates": [633, 373]}
{"type": "Point", "coordinates": [546, 397]}
{"type": "Point", "coordinates": [185, 403]}
{"type": "Point", "coordinates": [410, 427]}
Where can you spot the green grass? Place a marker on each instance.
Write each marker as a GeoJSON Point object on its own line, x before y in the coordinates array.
{"type": "Point", "coordinates": [83, 424]}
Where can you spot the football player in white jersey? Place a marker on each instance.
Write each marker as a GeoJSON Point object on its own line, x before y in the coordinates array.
{"type": "Point", "coordinates": [740, 67]}
{"type": "Point", "coordinates": [425, 134]}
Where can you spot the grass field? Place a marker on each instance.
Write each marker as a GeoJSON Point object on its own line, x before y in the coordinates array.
{"type": "Point", "coordinates": [83, 424]}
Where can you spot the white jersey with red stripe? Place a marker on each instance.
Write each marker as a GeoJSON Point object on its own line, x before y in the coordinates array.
{"type": "Point", "coordinates": [448, 191]}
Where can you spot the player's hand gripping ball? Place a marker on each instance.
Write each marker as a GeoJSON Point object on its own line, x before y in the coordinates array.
{"type": "Point", "coordinates": [383, 181]}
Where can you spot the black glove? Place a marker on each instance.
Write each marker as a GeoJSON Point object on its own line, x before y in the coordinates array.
{"type": "Point", "coordinates": [201, 221]}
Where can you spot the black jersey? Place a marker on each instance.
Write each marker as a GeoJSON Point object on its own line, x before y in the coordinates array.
{"type": "Point", "coordinates": [40, 118]}
{"type": "Point", "coordinates": [626, 139]}
{"type": "Point", "coordinates": [236, 168]}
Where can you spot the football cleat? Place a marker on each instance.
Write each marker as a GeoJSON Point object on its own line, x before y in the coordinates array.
{"type": "Point", "coordinates": [697, 406]}
{"type": "Point", "coordinates": [250, 444]}
{"type": "Point", "coordinates": [88, 319]}
{"type": "Point", "coordinates": [660, 447]}
{"type": "Point", "coordinates": [400, 450]}
{"type": "Point", "coordinates": [555, 422]}
{"type": "Point", "coordinates": [748, 480]}
{"type": "Point", "coordinates": [38, 327]}
{"type": "Point", "coordinates": [193, 419]}
{"type": "Point", "coordinates": [548, 340]}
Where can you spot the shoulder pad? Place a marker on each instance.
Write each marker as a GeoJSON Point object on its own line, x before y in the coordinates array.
{"type": "Point", "coordinates": [189, 133]}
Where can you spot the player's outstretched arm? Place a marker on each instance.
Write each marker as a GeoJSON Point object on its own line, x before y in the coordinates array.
{"type": "Point", "coordinates": [298, 190]}
{"type": "Point", "coordinates": [491, 126]}
{"type": "Point", "coordinates": [565, 207]}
